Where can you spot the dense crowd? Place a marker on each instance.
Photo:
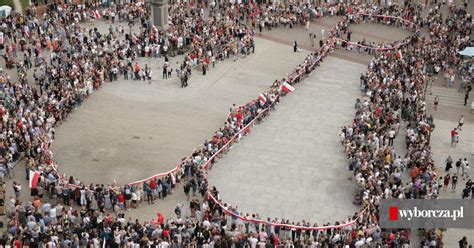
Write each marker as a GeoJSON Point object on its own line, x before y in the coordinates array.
{"type": "Point", "coordinates": [81, 60]}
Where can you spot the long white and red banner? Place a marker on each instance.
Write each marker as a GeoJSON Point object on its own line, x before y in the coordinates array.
{"type": "Point", "coordinates": [246, 219]}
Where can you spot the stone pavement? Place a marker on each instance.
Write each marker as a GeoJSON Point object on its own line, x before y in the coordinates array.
{"type": "Point", "coordinates": [368, 31]}
{"type": "Point", "coordinates": [445, 119]}
{"type": "Point", "coordinates": [130, 130]}
{"type": "Point", "coordinates": [291, 166]}
{"type": "Point", "coordinates": [441, 149]}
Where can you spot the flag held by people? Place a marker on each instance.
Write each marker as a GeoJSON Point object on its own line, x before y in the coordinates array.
{"type": "Point", "coordinates": [154, 29]}
{"type": "Point", "coordinates": [286, 87]}
{"type": "Point", "coordinates": [27, 34]}
{"type": "Point", "coordinates": [399, 54]}
{"type": "Point", "coordinates": [134, 38]}
{"type": "Point", "coordinates": [97, 14]}
{"type": "Point", "coordinates": [262, 98]}
{"type": "Point", "coordinates": [34, 178]}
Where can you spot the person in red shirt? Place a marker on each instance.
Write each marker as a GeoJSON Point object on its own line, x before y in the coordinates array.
{"type": "Point", "coordinates": [161, 218]}
{"type": "Point", "coordinates": [166, 233]}
{"type": "Point", "coordinates": [17, 243]}
{"type": "Point", "coordinates": [153, 188]}
{"type": "Point", "coordinates": [120, 200]}
{"type": "Point", "coordinates": [276, 241]}
{"type": "Point", "coordinates": [454, 137]}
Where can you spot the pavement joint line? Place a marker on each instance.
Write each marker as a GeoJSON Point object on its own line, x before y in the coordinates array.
{"type": "Point", "coordinates": [232, 67]}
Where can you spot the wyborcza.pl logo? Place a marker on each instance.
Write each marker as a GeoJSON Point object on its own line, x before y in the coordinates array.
{"type": "Point", "coordinates": [427, 213]}
{"type": "Point", "coordinates": [410, 214]}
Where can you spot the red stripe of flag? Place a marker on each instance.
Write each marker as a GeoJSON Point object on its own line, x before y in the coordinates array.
{"type": "Point", "coordinates": [262, 98]}
{"type": "Point", "coordinates": [34, 178]}
{"type": "Point", "coordinates": [287, 87]}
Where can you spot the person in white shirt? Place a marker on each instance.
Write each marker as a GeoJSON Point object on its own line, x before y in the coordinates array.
{"type": "Point", "coordinates": [359, 243]}
{"type": "Point", "coordinates": [391, 137]}
{"type": "Point", "coordinates": [460, 122]}
{"type": "Point", "coordinates": [164, 244]}
{"type": "Point", "coordinates": [253, 241]}
{"type": "Point", "coordinates": [465, 169]}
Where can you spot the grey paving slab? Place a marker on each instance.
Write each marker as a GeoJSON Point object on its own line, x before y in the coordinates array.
{"type": "Point", "coordinates": [292, 163]}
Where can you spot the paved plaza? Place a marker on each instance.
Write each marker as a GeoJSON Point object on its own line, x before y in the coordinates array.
{"type": "Point", "coordinates": [291, 166]}
{"type": "Point", "coordinates": [141, 129]}
{"type": "Point", "coordinates": [150, 127]}
{"type": "Point", "coordinates": [441, 148]}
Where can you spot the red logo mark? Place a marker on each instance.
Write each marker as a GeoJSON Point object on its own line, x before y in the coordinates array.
{"type": "Point", "coordinates": [393, 213]}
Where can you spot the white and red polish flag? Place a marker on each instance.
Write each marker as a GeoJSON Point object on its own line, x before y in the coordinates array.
{"type": "Point", "coordinates": [97, 14]}
{"type": "Point", "coordinates": [154, 29]}
{"type": "Point", "coordinates": [287, 87]}
{"type": "Point", "coordinates": [134, 38]}
{"type": "Point", "coordinates": [27, 33]}
{"type": "Point", "coordinates": [34, 178]}
{"type": "Point", "coordinates": [173, 178]}
{"type": "Point", "coordinates": [399, 54]}
{"type": "Point", "coordinates": [262, 98]}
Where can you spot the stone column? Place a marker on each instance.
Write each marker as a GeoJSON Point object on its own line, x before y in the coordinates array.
{"type": "Point", "coordinates": [159, 13]}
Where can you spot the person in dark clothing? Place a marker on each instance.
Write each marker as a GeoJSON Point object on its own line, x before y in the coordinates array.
{"type": "Point", "coordinates": [463, 242]}
{"type": "Point", "coordinates": [165, 73]}
{"type": "Point", "coordinates": [295, 46]}
{"type": "Point", "coordinates": [187, 188]}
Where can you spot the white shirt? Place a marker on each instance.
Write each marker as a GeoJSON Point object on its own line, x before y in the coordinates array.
{"type": "Point", "coordinates": [391, 134]}
{"type": "Point", "coordinates": [164, 244]}
{"type": "Point", "coordinates": [253, 242]}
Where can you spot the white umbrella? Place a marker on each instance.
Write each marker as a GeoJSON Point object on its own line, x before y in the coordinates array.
{"type": "Point", "coordinates": [468, 51]}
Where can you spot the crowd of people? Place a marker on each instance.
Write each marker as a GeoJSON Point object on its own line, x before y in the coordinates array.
{"type": "Point", "coordinates": [82, 60]}
{"type": "Point", "coordinates": [393, 92]}
{"type": "Point", "coordinates": [73, 61]}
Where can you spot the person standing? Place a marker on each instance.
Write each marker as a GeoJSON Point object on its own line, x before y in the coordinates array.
{"type": "Point", "coordinates": [187, 188]}
{"type": "Point", "coordinates": [295, 46]}
{"type": "Point", "coordinates": [463, 242]}
{"type": "Point", "coordinates": [16, 189]}
{"type": "Point", "coordinates": [458, 165]}
{"type": "Point", "coordinates": [165, 73]}
{"type": "Point", "coordinates": [465, 169]}
{"type": "Point", "coordinates": [391, 137]}
{"type": "Point", "coordinates": [447, 179]}
{"type": "Point", "coordinates": [178, 211]}
{"type": "Point", "coordinates": [454, 182]}
{"type": "Point", "coordinates": [465, 192]}
{"type": "Point", "coordinates": [449, 163]}
{"type": "Point", "coordinates": [460, 122]}
{"type": "Point", "coordinates": [182, 80]}
{"type": "Point", "coordinates": [436, 103]}
{"type": "Point", "coordinates": [454, 137]}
